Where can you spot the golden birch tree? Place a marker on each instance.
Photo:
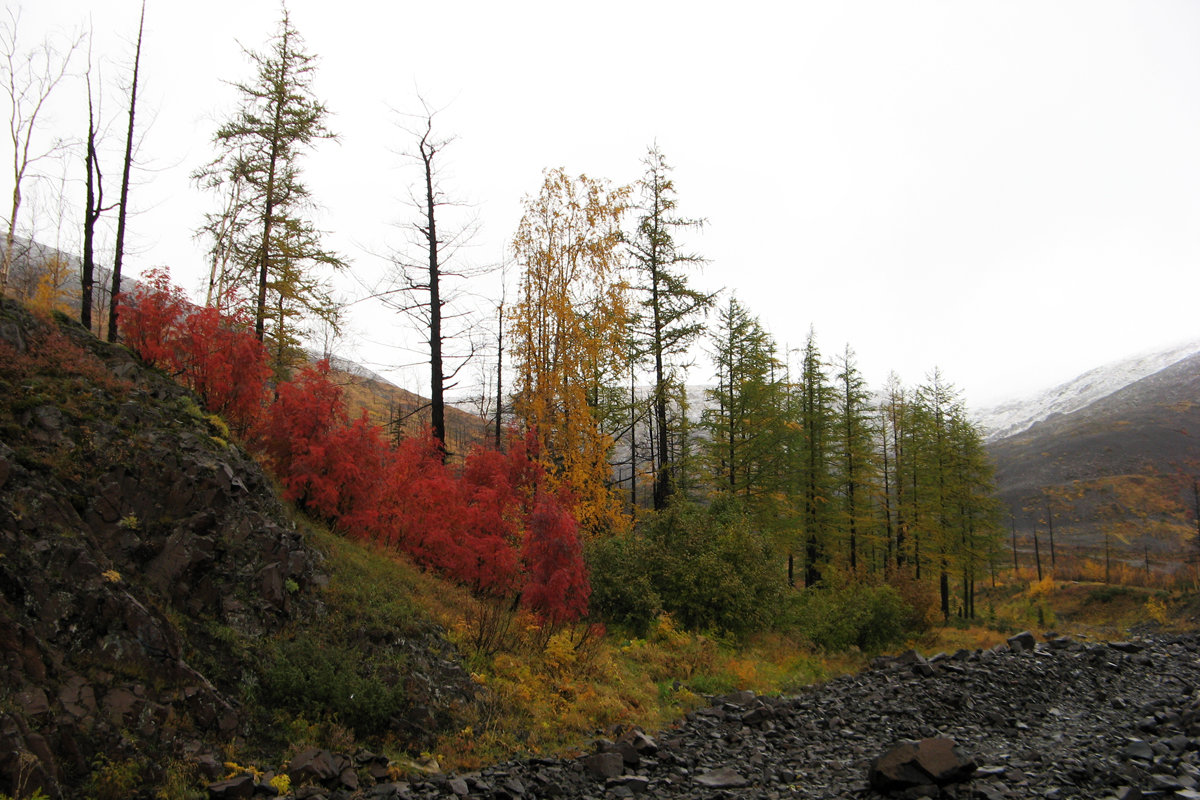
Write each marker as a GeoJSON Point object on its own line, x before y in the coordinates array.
{"type": "Point", "coordinates": [568, 331]}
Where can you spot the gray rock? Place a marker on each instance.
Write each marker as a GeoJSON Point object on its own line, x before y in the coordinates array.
{"type": "Point", "coordinates": [721, 778]}
{"type": "Point", "coordinates": [604, 765]}
{"type": "Point", "coordinates": [1022, 641]}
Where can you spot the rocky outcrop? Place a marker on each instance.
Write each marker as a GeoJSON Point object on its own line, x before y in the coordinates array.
{"type": "Point", "coordinates": [143, 558]}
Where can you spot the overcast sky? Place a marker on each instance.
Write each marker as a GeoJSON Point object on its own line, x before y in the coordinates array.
{"type": "Point", "coordinates": [1009, 191]}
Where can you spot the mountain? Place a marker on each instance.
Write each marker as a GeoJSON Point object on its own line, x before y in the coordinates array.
{"type": "Point", "coordinates": [1111, 456]}
{"type": "Point", "coordinates": [1014, 416]}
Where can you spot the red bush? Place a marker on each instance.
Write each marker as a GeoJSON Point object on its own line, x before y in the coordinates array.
{"type": "Point", "coordinates": [493, 526]}
{"type": "Point", "coordinates": [213, 354]}
{"type": "Point", "coordinates": [150, 317]}
{"type": "Point", "coordinates": [557, 587]}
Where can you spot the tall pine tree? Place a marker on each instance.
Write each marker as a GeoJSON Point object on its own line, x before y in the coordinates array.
{"type": "Point", "coordinates": [671, 310]}
{"type": "Point", "coordinates": [276, 253]}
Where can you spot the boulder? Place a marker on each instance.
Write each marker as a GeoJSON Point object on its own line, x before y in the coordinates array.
{"type": "Point", "coordinates": [908, 765]}
{"type": "Point", "coordinates": [604, 765]}
{"type": "Point", "coordinates": [1022, 641]}
{"type": "Point", "coordinates": [232, 788]}
{"type": "Point", "coordinates": [721, 778]}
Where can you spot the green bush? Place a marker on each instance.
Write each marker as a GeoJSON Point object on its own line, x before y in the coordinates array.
{"type": "Point", "coordinates": [855, 615]}
{"type": "Point", "coordinates": [315, 678]}
{"type": "Point", "coordinates": [704, 566]}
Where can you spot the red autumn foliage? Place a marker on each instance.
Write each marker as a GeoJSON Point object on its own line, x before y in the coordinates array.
{"type": "Point", "coordinates": [491, 526]}
{"type": "Point", "coordinates": [212, 353]}
{"type": "Point", "coordinates": [225, 364]}
{"type": "Point", "coordinates": [150, 316]}
{"type": "Point", "coordinates": [557, 588]}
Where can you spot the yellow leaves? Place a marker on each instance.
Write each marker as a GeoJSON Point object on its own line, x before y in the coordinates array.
{"type": "Point", "coordinates": [1042, 588]}
{"type": "Point", "coordinates": [1156, 609]}
{"type": "Point", "coordinates": [111, 576]}
{"type": "Point", "coordinates": [568, 332]}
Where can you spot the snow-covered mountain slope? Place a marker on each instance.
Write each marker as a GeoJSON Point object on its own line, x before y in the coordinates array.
{"type": "Point", "coordinates": [1015, 416]}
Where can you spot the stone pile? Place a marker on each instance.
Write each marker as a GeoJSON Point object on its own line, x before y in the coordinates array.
{"type": "Point", "coordinates": [1053, 719]}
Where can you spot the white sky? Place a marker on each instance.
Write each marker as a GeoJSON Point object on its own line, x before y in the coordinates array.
{"type": "Point", "coordinates": [1009, 191]}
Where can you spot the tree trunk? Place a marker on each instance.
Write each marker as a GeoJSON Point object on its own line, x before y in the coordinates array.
{"type": "Point", "coordinates": [1037, 553]}
{"type": "Point", "coordinates": [90, 213]}
{"type": "Point", "coordinates": [122, 213]}
{"type": "Point", "coordinates": [437, 401]}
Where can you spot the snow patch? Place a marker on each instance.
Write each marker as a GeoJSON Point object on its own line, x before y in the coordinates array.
{"type": "Point", "coordinates": [1016, 416]}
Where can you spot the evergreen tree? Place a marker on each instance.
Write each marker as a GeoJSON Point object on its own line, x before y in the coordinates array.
{"type": "Point", "coordinates": [814, 404]}
{"type": "Point", "coordinates": [854, 432]}
{"type": "Point", "coordinates": [744, 419]}
{"type": "Point", "coordinates": [937, 402]}
{"type": "Point", "coordinates": [274, 252]}
{"type": "Point", "coordinates": [976, 512]}
{"type": "Point", "coordinates": [671, 310]}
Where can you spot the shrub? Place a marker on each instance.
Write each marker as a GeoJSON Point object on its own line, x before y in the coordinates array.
{"type": "Point", "coordinates": [853, 615]}
{"type": "Point", "coordinates": [703, 566]}
{"type": "Point", "coordinates": [313, 678]}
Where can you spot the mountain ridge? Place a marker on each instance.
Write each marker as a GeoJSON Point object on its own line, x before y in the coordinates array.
{"type": "Point", "coordinates": [1012, 417]}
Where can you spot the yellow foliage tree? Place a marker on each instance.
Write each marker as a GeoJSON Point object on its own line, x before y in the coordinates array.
{"type": "Point", "coordinates": [54, 292]}
{"type": "Point", "coordinates": [568, 333]}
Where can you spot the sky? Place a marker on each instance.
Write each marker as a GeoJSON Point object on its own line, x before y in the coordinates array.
{"type": "Point", "coordinates": [1006, 191]}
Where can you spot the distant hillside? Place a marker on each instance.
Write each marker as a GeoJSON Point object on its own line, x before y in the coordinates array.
{"type": "Point", "coordinates": [391, 407]}
{"type": "Point", "coordinates": [1014, 416]}
{"type": "Point", "coordinates": [1118, 467]}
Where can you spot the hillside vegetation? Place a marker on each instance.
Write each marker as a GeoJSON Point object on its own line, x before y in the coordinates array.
{"type": "Point", "coordinates": [171, 622]}
{"type": "Point", "coordinates": [1115, 479]}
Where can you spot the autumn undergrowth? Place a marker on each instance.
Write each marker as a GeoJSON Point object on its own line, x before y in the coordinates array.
{"type": "Point", "coordinates": [545, 690]}
{"type": "Point", "coordinates": [1087, 610]}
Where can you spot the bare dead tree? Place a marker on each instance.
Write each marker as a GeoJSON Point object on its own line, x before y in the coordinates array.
{"type": "Point", "coordinates": [29, 77]}
{"type": "Point", "coordinates": [115, 298]}
{"type": "Point", "coordinates": [94, 204]}
{"type": "Point", "coordinates": [428, 288]}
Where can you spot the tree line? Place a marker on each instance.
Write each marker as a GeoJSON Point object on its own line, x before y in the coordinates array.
{"type": "Point", "coordinates": [837, 485]}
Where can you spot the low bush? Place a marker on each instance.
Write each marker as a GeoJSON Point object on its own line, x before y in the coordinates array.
{"type": "Point", "coordinates": [854, 615]}
{"type": "Point", "coordinates": [704, 566]}
{"type": "Point", "coordinates": [313, 677]}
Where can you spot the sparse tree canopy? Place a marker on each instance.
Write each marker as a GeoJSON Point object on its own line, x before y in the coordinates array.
{"type": "Point", "coordinates": [671, 311]}
{"type": "Point", "coordinates": [261, 236]}
{"type": "Point", "coordinates": [28, 77]}
{"type": "Point", "coordinates": [428, 281]}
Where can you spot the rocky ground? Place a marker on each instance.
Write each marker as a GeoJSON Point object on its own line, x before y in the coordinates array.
{"type": "Point", "coordinates": [1051, 719]}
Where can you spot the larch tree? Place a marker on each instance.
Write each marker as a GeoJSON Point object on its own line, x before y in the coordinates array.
{"type": "Point", "coordinates": [814, 402]}
{"type": "Point", "coordinates": [853, 437]}
{"type": "Point", "coordinates": [277, 253]}
{"type": "Point", "coordinates": [973, 506]}
{"type": "Point", "coordinates": [743, 418]}
{"type": "Point", "coordinates": [672, 311]}
{"type": "Point", "coordinates": [936, 404]}
{"type": "Point", "coordinates": [28, 77]}
{"type": "Point", "coordinates": [570, 321]}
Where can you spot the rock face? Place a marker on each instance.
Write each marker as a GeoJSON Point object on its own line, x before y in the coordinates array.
{"type": "Point", "coordinates": [1062, 719]}
{"type": "Point", "coordinates": [136, 545]}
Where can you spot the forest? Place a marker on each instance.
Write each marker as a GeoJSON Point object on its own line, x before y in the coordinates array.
{"type": "Point", "coordinates": [602, 489]}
